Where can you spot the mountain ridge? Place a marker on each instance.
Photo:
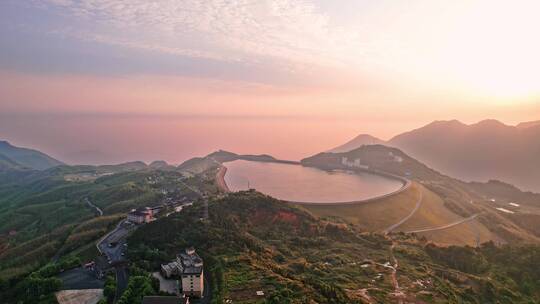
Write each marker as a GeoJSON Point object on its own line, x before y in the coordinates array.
{"type": "Point", "coordinates": [488, 149]}
{"type": "Point", "coordinates": [29, 158]}
{"type": "Point", "coordinates": [360, 140]}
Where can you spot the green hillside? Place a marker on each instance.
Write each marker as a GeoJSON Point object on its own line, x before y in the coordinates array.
{"type": "Point", "coordinates": [8, 164]}
{"type": "Point", "coordinates": [252, 242]}
{"type": "Point", "coordinates": [43, 214]}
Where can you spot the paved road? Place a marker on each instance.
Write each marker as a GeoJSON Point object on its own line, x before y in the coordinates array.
{"type": "Point", "coordinates": [403, 220]}
{"type": "Point", "coordinates": [220, 179]}
{"type": "Point", "coordinates": [121, 281]}
{"type": "Point", "coordinates": [99, 211]}
{"type": "Point", "coordinates": [114, 253]}
{"type": "Point", "coordinates": [191, 188]}
{"type": "Point", "coordinates": [468, 219]}
{"type": "Point", "coordinates": [204, 213]}
{"type": "Point", "coordinates": [80, 278]}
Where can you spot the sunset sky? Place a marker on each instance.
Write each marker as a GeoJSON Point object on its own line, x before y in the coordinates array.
{"type": "Point", "coordinates": [106, 81]}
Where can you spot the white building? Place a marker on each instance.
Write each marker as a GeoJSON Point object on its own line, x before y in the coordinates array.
{"type": "Point", "coordinates": [192, 273]}
{"type": "Point", "coordinates": [189, 267]}
{"type": "Point", "coordinates": [353, 164]}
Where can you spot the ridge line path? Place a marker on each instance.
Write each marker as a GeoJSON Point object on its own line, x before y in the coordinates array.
{"type": "Point", "coordinates": [398, 293]}
{"type": "Point", "coordinates": [205, 214]}
{"type": "Point", "coordinates": [461, 221]}
{"type": "Point", "coordinates": [403, 220]}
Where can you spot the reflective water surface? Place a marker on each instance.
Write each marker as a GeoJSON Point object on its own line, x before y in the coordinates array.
{"type": "Point", "coordinates": [304, 184]}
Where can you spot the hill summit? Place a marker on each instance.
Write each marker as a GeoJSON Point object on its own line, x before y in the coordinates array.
{"type": "Point", "coordinates": [485, 150]}
{"type": "Point", "coordinates": [22, 157]}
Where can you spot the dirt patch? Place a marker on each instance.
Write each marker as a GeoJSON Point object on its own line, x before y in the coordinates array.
{"type": "Point", "coordinates": [85, 296]}
{"type": "Point", "coordinates": [287, 217]}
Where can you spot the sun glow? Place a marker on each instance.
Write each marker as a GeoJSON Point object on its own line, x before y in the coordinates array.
{"type": "Point", "coordinates": [495, 49]}
{"type": "Point", "coordinates": [485, 49]}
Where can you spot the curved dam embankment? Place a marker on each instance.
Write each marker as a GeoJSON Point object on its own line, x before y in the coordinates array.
{"type": "Point", "coordinates": [310, 186]}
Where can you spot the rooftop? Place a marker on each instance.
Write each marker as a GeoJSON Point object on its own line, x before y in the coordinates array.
{"type": "Point", "coordinates": [139, 213]}
{"type": "Point", "coordinates": [191, 261]}
{"type": "Point", "coordinates": [171, 266]}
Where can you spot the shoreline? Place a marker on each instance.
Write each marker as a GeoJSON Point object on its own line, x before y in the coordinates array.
{"type": "Point", "coordinates": [222, 186]}
{"type": "Point", "coordinates": [403, 188]}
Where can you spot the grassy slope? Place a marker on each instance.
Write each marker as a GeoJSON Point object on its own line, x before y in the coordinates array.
{"type": "Point", "coordinates": [470, 233]}
{"type": "Point", "coordinates": [378, 215]}
{"type": "Point", "coordinates": [372, 216]}
{"type": "Point", "coordinates": [432, 213]}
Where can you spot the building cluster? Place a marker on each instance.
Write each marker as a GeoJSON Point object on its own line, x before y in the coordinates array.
{"type": "Point", "coordinates": [356, 163]}
{"type": "Point", "coordinates": [395, 158]}
{"type": "Point", "coordinates": [143, 215]}
{"type": "Point", "coordinates": [188, 266]}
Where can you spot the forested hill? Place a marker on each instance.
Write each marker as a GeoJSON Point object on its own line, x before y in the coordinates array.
{"type": "Point", "coordinates": [253, 242]}
{"type": "Point", "coordinates": [47, 214]}
{"type": "Point", "coordinates": [28, 158]}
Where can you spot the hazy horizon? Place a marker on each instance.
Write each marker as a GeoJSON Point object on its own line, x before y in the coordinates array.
{"type": "Point", "coordinates": [72, 138]}
{"type": "Point", "coordinates": [103, 81]}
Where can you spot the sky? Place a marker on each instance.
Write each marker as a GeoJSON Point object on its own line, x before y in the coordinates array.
{"type": "Point", "coordinates": [101, 81]}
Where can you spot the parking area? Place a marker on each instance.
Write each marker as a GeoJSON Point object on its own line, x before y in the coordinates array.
{"type": "Point", "coordinates": [80, 278]}
{"type": "Point", "coordinates": [114, 246]}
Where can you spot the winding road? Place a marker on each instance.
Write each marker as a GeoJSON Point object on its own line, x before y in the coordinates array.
{"type": "Point", "coordinates": [468, 219]}
{"type": "Point", "coordinates": [403, 220]}
{"type": "Point", "coordinates": [115, 254]}
{"type": "Point", "coordinates": [220, 179]}
{"type": "Point", "coordinates": [398, 293]}
{"type": "Point", "coordinates": [89, 203]}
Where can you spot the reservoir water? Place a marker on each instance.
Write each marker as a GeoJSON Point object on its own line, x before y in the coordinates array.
{"type": "Point", "coordinates": [304, 184]}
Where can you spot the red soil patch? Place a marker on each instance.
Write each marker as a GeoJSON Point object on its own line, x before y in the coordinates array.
{"type": "Point", "coordinates": [288, 217]}
{"type": "Point", "coordinates": [271, 217]}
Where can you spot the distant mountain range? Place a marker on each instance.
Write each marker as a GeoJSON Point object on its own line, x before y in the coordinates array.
{"type": "Point", "coordinates": [12, 157]}
{"type": "Point", "coordinates": [482, 151]}
{"type": "Point", "coordinates": [477, 152]}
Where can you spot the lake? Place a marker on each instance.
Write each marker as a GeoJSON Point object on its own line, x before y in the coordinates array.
{"type": "Point", "coordinates": [297, 183]}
